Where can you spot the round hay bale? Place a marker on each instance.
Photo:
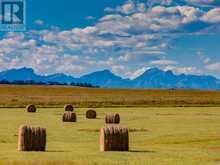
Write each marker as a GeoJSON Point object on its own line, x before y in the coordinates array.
{"type": "Point", "coordinates": [124, 139]}
{"type": "Point", "coordinates": [31, 138]}
{"type": "Point", "coordinates": [37, 138]}
{"type": "Point", "coordinates": [69, 108]}
{"type": "Point", "coordinates": [91, 114]}
{"type": "Point", "coordinates": [31, 108]}
{"type": "Point", "coordinates": [69, 117]}
{"type": "Point", "coordinates": [112, 118]}
{"type": "Point", "coordinates": [114, 138]}
{"type": "Point", "coordinates": [101, 140]}
{"type": "Point", "coordinates": [108, 118]}
{"type": "Point", "coordinates": [43, 137]}
{"type": "Point", "coordinates": [117, 118]}
{"type": "Point", "coordinates": [23, 140]}
{"type": "Point", "coordinates": [117, 139]}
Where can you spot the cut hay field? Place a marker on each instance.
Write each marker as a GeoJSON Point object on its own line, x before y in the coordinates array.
{"type": "Point", "coordinates": [158, 136]}
{"type": "Point", "coordinates": [57, 96]}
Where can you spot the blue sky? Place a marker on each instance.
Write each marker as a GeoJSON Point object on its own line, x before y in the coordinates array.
{"type": "Point", "coordinates": [125, 36]}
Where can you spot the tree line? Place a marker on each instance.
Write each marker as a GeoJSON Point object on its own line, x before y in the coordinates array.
{"type": "Point", "coordinates": [31, 82]}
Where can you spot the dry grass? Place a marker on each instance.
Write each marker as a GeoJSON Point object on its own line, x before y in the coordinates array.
{"type": "Point", "coordinates": [98, 130]}
{"type": "Point", "coordinates": [57, 96]}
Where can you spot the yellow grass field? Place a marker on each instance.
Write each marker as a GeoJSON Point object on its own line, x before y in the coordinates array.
{"type": "Point", "coordinates": [57, 96]}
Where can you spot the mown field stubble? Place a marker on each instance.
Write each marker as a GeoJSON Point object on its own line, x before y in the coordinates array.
{"type": "Point", "coordinates": [158, 136]}
{"type": "Point", "coordinates": [164, 128]}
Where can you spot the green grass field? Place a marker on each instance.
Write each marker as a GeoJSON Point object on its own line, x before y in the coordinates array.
{"type": "Point", "coordinates": [158, 136]}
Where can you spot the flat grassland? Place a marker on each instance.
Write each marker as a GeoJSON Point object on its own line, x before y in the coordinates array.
{"type": "Point", "coordinates": [186, 134]}
{"type": "Point", "coordinates": [158, 136]}
{"type": "Point", "coordinates": [57, 96]}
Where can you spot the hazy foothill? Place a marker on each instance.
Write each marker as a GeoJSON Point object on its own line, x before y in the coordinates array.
{"type": "Point", "coordinates": [151, 78]}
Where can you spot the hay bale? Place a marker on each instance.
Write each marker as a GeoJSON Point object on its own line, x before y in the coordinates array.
{"type": "Point", "coordinates": [69, 117]}
{"type": "Point", "coordinates": [69, 108]}
{"type": "Point", "coordinates": [91, 114]}
{"type": "Point", "coordinates": [31, 138]}
{"type": "Point", "coordinates": [112, 118]}
{"type": "Point", "coordinates": [117, 118]}
{"type": "Point", "coordinates": [114, 138]}
{"type": "Point", "coordinates": [31, 108]}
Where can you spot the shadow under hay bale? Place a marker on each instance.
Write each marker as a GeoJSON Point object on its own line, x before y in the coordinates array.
{"type": "Point", "coordinates": [31, 108]}
{"type": "Point", "coordinates": [69, 108]}
{"type": "Point", "coordinates": [114, 138]}
{"type": "Point", "coordinates": [31, 138]}
{"type": "Point", "coordinates": [91, 114]}
{"type": "Point", "coordinates": [69, 117]}
{"type": "Point", "coordinates": [112, 118]}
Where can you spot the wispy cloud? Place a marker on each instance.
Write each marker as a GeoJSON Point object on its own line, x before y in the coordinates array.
{"type": "Point", "coordinates": [213, 66]}
{"type": "Point", "coordinates": [163, 62]}
{"type": "Point", "coordinates": [90, 18]}
{"type": "Point", "coordinates": [124, 40]}
{"type": "Point", "coordinates": [39, 22]}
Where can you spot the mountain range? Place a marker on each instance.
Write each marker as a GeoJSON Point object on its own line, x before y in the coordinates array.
{"type": "Point", "coordinates": [152, 78]}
